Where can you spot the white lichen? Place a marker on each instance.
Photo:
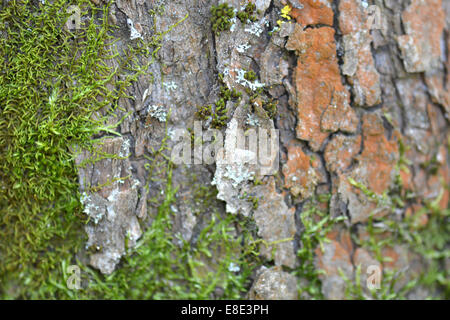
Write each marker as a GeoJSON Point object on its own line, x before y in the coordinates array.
{"type": "Point", "coordinates": [170, 86]}
{"type": "Point", "coordinates": [238, 174]}
{"type": "Point", "coordinates": [240, 78]}
{"type": "Point", "coordinates": [171, 133]}
{"type": "Point", "coordinates": [275, 29]}
{"type": "Point", "coordinates": [90, 209]}
{"type": "Point", "coordinates": [255, 28]}
{"type": "Point", "coordinates": [242, 47]}
{"type": "Point", "coordinates": [233, 21]}
{"type": "Point", "coordinates": [136, 184]}
{"type": "Point", "coordinates": [113, 195]}
{"type": "Point", "coordinates": [158, 112]}
{"type": "Point", "coordinates": [233, 267]}
{"type": "Point", "coordinates": [134, 34]}
{"type": "Point", "coordinates": [226, 72]}
{"type": "Point", "coordinates": [125, 149]}
{"type": "Point", "coordinates": [252, 120]}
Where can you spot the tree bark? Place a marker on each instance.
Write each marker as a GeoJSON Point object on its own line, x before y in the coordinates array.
{"type": "Point", "coordinates": [361, 89]}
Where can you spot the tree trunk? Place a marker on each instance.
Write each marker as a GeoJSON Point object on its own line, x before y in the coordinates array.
{"type": "Point", "coordinates": [354, 98]}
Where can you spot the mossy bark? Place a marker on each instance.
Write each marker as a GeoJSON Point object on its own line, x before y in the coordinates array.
{"type": "Point", "coordinates": [358, 92]}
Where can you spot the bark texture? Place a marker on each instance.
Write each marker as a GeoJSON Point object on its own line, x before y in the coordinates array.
{"type": "Point", "coordinates": [347, 94]}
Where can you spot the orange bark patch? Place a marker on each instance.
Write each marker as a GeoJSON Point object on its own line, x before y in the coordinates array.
{"type": "Point", "coordinates": [340, 152]}
{"type": "Point", "coordinates": [379, 154]}
{"type": "Point", "coordinates": [299, 173]}
{"type": "Point", "coordinates": [424, 23]}
{"type": "Point", "coordinates": [358, 61]}
{"type": "Point", "coordinates": [314, 12]}
{"type": "Point", "coordinates": [318, 85]}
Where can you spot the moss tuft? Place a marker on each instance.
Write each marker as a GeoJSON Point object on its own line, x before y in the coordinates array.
{"type": "Point", "coordinates": [54, 99]}
{"type": "Point", "coordinates": [316, 224]}
{"type": "Point", "coordinates": [217, 114]}
{"type": "Point", "coordinates": [248, 13]}
{"type": "Point", "coordinates": [221, 17]}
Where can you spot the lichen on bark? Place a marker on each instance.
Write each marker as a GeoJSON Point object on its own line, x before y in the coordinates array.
{"type": "Point", "coordinates": [358, 175]}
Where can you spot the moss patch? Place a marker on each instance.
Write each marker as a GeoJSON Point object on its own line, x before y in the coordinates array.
{"type": "Point", "coordinates": [216, 264]}
{"type": "Point", "coordinates": [54, 99]}
{"type": "Point", "coordinates": [221, 17]}
{"type": "Point", "coordinates": [316, 224]}
{"type": "Point", "coordinates": [430, 241]}
{"type": "Point", "coordinates": [217, 114]}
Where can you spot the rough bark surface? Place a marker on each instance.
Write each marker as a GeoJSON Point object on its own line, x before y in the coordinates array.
{"type": "Point", "coordinates": [346, 94]}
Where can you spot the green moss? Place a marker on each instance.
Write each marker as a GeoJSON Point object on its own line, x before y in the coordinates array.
{"type": "Point", "coordinates": [228, 94]}
{"type": "Point", "coordinates": [221, 17]}
{"type": "Point", "coordinates": [430, 242]}
{"type": "Point", "coordinates": [204, 112]}
{"type": "Point", "coordinates": [165, 266]}
{"type": "Point", "coordinates": [271, 108]}
{"type": "Point", "coordinates": [250, 75]}
{"type": "Point", "coordinates": [257, 181]}
{"type": "Point", "coordinates": [269, 105]}
{"type": "Point", "coordinates": [217, 114]}
{"type": "Point", "coordinates": [255, 202]}
{"type": "Point", "coordinates": [204, 197]}
{"type": "Point", "coordinates": [315, 227]}
{"type": "Point", "coordinates": [55, 98]}
{"type": "Point", "coordinates": [248, 13]}
{"type": "Point", "coordinates": [223, 14]}
{"type": "Point", "coordinates": [354, 287]}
